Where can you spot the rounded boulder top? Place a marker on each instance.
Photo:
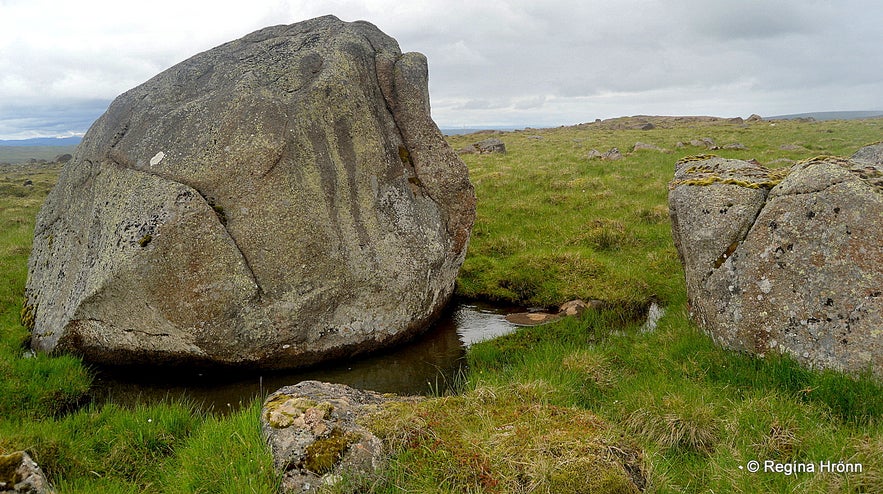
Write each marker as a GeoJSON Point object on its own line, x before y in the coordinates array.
{"type": "Point", "coordinates": [274, 202]}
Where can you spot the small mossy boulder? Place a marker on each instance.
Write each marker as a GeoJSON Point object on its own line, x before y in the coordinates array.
{"type": "Point", "coordinates": [315, 434]}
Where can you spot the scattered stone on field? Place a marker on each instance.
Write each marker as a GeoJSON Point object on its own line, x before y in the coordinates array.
{"type": "Point", "coordinates": [20, 474]}
{"type": "Point", "coordinates": [735, 120]}
{"type": "Point", "coordinates": [28, 183]}
{"type": "Point", "coordinates": [736, 145]}
{"type": "Point", "coordinates": [754, 118]}
{"type": "Point", "coordinates": [785, 260]}
{"type": "Point", "coordinates": [612, 155]}
{"type": "Point", "coordinates": [63, 158]}
{"type": "Point", "coordinates": [277, 201]}
{"type": "Point", "coordinates": [537, 137]}
{"type": "Point", "coordinates": [594, 154]}
{"type": "Point", "coordinates": [643, 146]}
{"type": "Point", "coordinates": [872, 154]}
{"type": "Point", "coordinates": [491, 145]}
{"type": "Point", "coordinates": [648, 126]}
{"type": "Point", "coordinates": [706, 142]}
{"type": "Point", "coordinates": [314, 433]}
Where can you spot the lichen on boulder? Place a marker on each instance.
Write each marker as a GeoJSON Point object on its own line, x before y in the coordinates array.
{"type": "Point", "coordinates": [277, 201]}
{"type": "Point", "coordinates": [315, 434]}
{"type": "Point", "coordinates": [785, 261]}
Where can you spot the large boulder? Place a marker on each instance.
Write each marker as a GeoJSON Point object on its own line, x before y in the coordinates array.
{"type": "Point", "coordinates": [279, 200]}
{"type": "Point", "coordinates": [786, 263]}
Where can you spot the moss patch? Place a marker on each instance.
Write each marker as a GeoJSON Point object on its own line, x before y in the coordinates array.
{"type": "Point", "coordinates": [8, 466]}
{"type": "Point", "coordinates": [321, 456]}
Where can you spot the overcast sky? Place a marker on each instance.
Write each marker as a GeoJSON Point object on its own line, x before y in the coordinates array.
{"type": "Point", "coordinates": [491, 62]}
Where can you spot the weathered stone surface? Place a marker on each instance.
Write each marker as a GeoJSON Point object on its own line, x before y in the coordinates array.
{"type": "Point", "coordinates": [278, 200]}
{"type": "Point", "coordinates": [490, 145]}
{"type": "Point", "coordinates": [314, 435]}
{"type": "Point", "coordinates": [705, 142]}
{"type": "Point", "coordinates": [20, 474]}
{"type": "Point", "coordinates": [790, 263]}
{"type": "Point", "coordinates": [872, 154]}
{"type": "Point", "coordinates": [612, 154]}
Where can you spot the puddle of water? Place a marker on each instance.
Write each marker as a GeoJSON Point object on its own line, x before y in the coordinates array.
{"type": "Point", "coordinates": [428, 364]}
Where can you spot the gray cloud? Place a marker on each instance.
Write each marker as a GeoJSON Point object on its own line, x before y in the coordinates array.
{"type": "Point", "coordinates": [493, 62]}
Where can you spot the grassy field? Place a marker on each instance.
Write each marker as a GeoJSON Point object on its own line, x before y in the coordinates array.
{"type": "Point", "coordinates": [21, 154]}
{"type": "Point", "coordinates": [557, 408]}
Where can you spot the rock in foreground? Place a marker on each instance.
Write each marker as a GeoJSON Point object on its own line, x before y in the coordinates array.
{"type": "Point", "coordinates": [20, 474]}
{"type": "Point", "coordinates": [279, 200]}
{"type": "Point", "coordinates": [791, 264]}
{"type": "Point", "coordinates": [313, 432]}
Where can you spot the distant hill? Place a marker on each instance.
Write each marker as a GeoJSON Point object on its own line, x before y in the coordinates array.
{"type": "Point", "coordinates": [43, 141]}
{"type": "Point", "coordinates": [23, 154]}
{"type": "Point", "coordinates": [830, 115]}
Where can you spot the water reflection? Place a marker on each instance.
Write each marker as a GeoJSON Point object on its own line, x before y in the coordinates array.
{"type": "Point", "coordinates": [430, 363]}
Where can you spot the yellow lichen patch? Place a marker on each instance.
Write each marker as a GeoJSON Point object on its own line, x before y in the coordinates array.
{"type": "Point", "coordinates": [28, 316]}
{"type": "Point", "coordinates": [696, 157]}
{"type": "Point", "coordinates": [837, 160]}
{"type": "Point", "coordinates": [283, 410]}
{"type": "Point", "coordinates": [750, 177]}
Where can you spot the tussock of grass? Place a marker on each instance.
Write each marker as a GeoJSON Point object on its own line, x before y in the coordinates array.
{"type": "Point", "coordinates": [504, 439]}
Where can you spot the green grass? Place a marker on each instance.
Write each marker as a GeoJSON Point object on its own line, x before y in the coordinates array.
{"type": "Point", "coordinates": [580, 403]}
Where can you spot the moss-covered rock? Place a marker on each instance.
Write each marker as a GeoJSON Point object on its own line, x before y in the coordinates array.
{"type": "Point", "coordinates": [315, 434]}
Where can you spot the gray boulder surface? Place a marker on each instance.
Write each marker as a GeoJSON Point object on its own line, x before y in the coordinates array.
{"type": "Point", "coordinates": [490, 145]}
{"type": "Point", "coordinates": [20, 474]}
{"type": "Point", "coordinates": [314, 433]}
{"type": "Point", "coordinates": [279, 200]}
{"type": "Point", "coordinates": [872, 154]}
{"type": "Point", "coordinates": [787, 260]}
